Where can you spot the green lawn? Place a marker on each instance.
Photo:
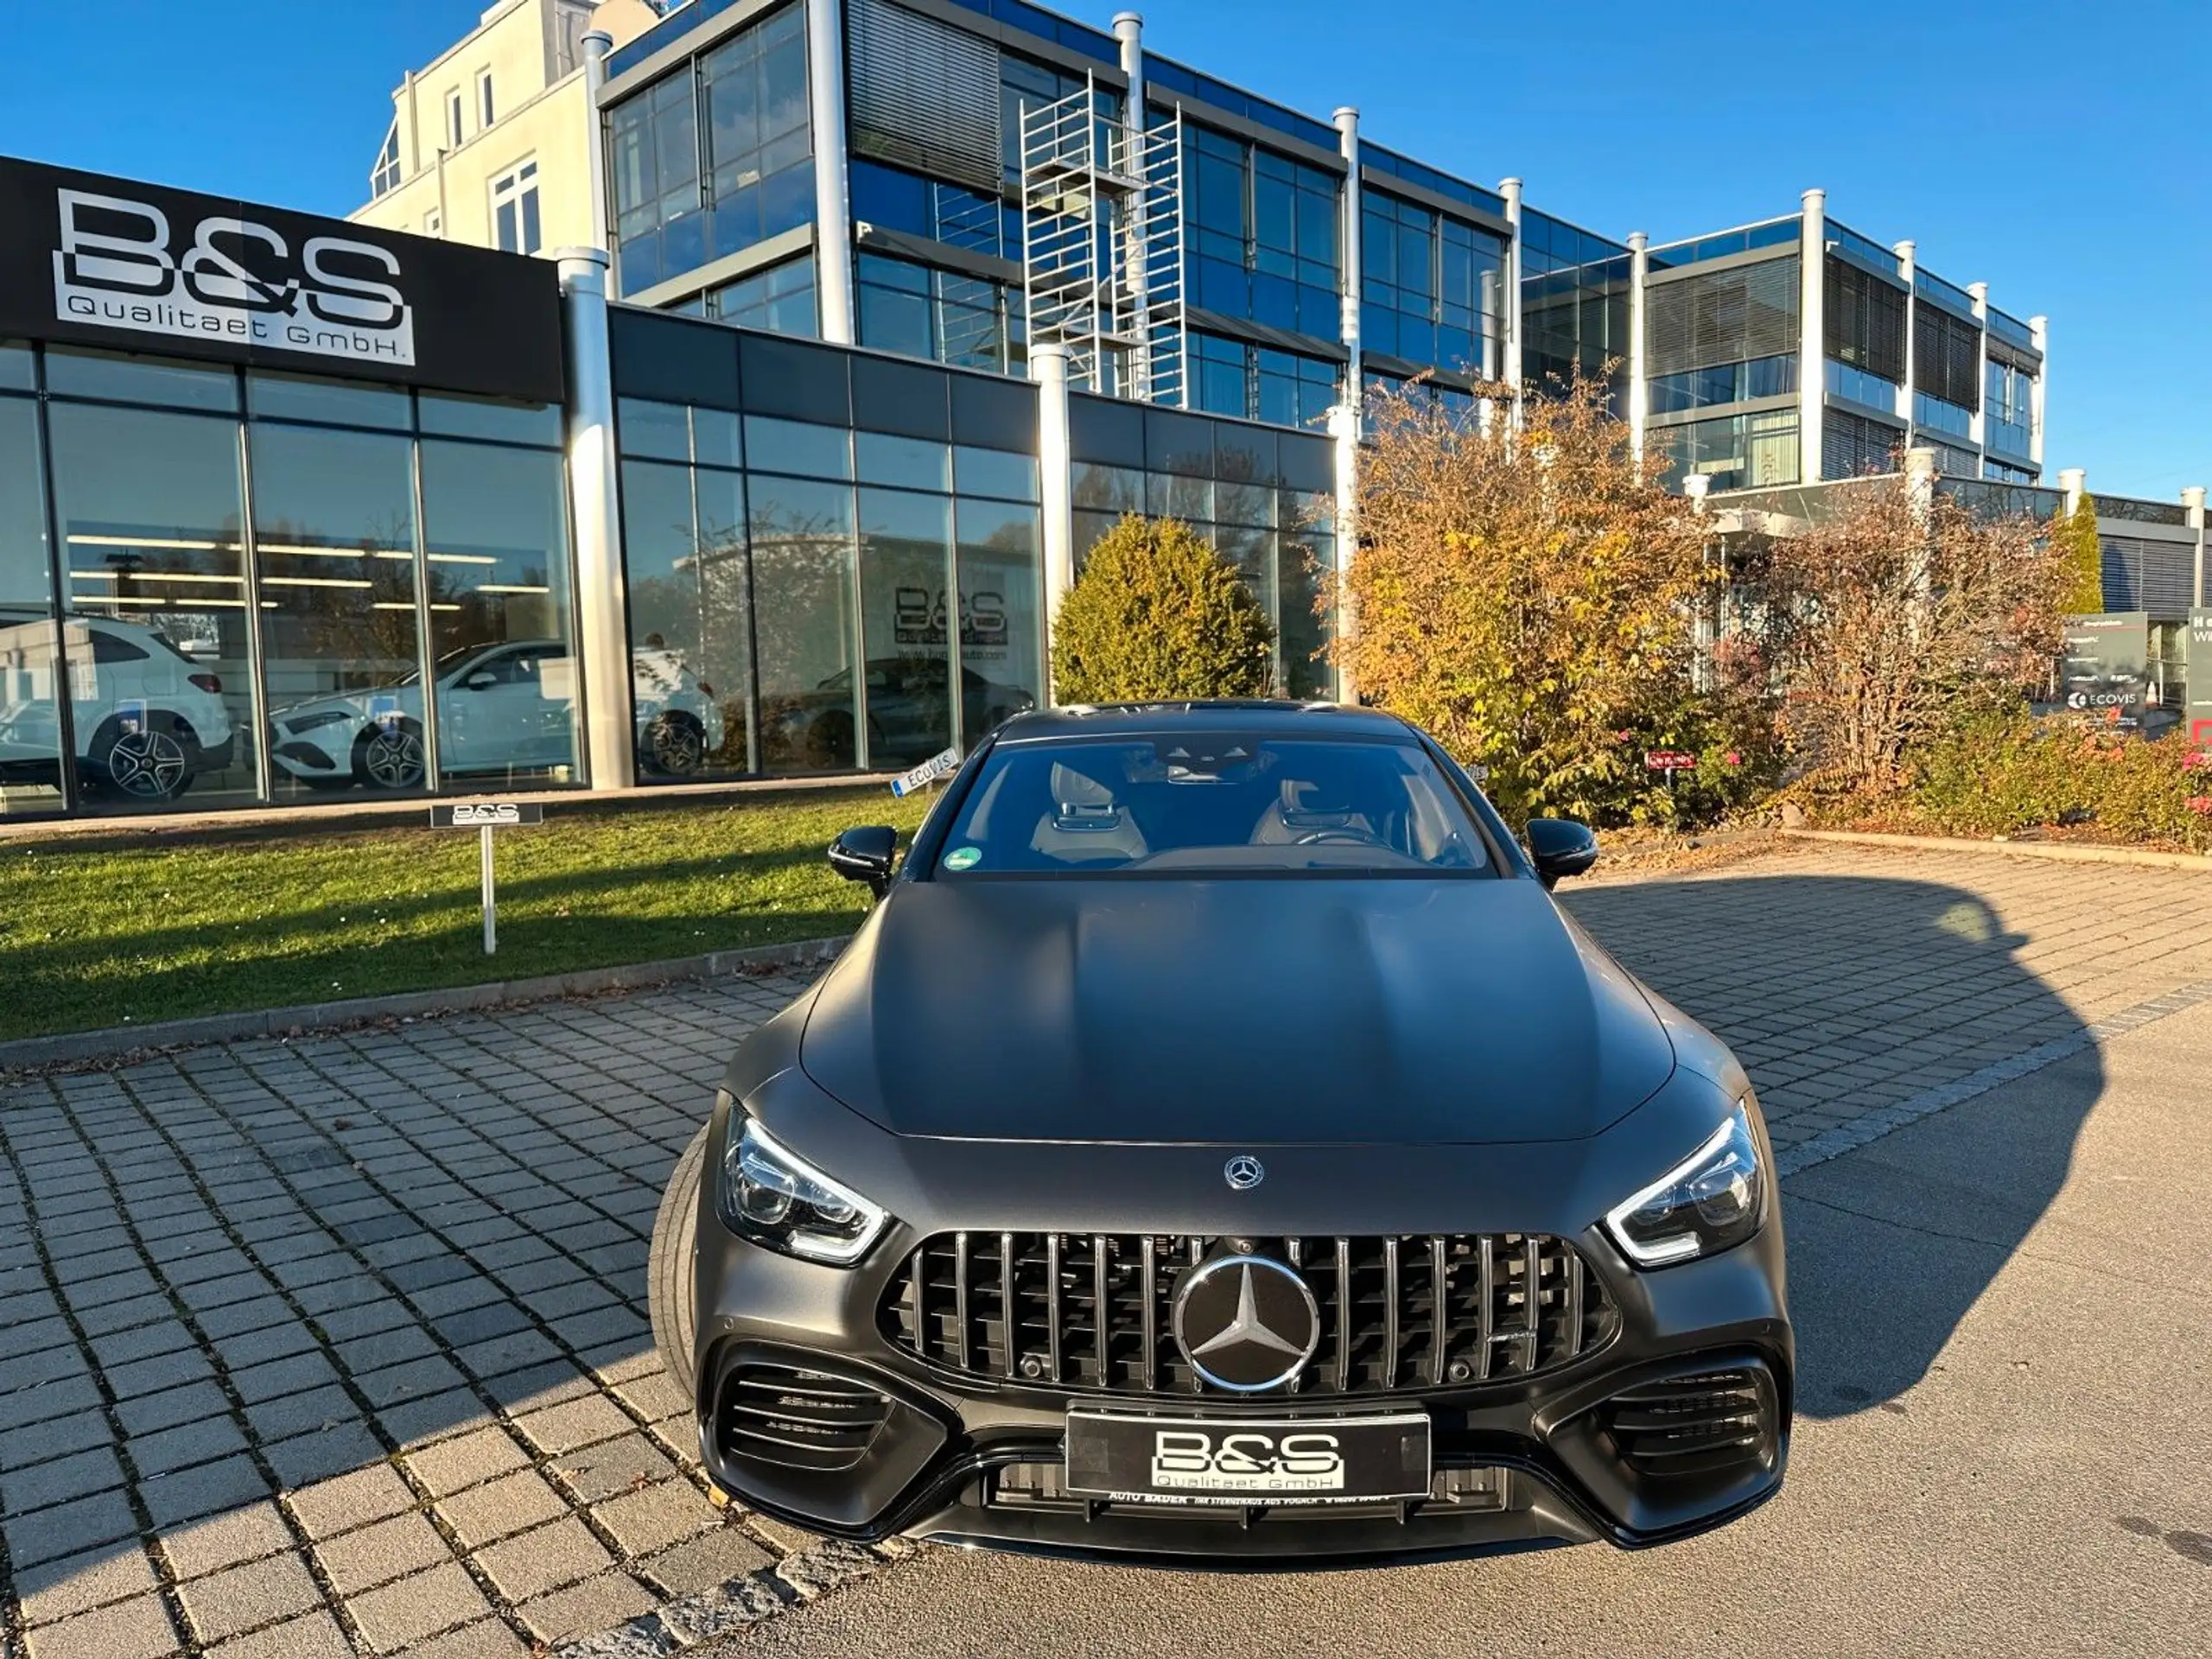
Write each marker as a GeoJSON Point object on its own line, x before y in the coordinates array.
{"type": "Point", "coordinates": [94, 935]}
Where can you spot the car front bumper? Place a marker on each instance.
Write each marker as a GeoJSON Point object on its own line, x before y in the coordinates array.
{"type": "Point", "coordinates": [1517, 1463]}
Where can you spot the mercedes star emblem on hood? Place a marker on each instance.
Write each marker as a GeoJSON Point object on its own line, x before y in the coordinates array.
{"type": "Point", "coordinates": [1246, 1323]}
{"type": "Point", "coordinates": [1243, 1172]}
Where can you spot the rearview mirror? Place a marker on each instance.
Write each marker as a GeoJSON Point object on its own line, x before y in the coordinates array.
{"type": "Point", "coordinates": [1561, 848]}
{"type": "Point", "coordinates": [866, 854]}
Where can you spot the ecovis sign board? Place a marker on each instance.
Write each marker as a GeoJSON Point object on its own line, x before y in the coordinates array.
{"type": "Point", "coordinates": [136, 267]}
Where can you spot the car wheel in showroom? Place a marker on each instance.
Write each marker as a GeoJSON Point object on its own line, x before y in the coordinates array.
{"type": "Point", "coordinates": [389, 758]}
{"type": "Point", "coordinates": [671, 1271]}
{"type": "Point", "coordinates": [153, 763]}
{"type": "Point", "coordinates": [675, 745]}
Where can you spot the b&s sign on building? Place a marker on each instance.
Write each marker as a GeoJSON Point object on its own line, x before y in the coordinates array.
{"type": "Point", "coordinates": [105, 262]}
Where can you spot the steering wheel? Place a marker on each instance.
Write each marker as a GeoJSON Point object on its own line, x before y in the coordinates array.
{"type": "Point", "coordinates": [1353, 836]}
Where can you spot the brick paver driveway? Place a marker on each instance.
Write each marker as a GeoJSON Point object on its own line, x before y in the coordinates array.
{"type": "Point", "coordinates": [339, 1345]}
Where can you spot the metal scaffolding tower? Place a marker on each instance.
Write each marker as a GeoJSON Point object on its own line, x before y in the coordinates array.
{"type": "Point", "coordinates": [1102, 245]}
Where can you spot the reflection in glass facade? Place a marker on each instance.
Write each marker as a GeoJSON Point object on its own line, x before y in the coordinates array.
{"type": "Point", "coordinates": [921, 311]}
{"type": "Point", "coordinates": [859, 597]}
{"type": "Point", "coordinates": [1261, 232]}
{"type": "Point", "coordinates": [1430, 287]}
{"type": "Point", "coordinates": [245, 602]}
{"type": "Point", "coordinates": [713, 158]}
{"type": "Point", "coordinates": [1263, 498]}
{"type": "Point", "coordinates": [1735, 451]}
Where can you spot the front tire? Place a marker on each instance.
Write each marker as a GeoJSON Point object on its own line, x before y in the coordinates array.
{"type": "Point", "coordinates": [390, 759]}
{"type": "Point", "coordinates": [154, 763]}
{"type": "Point", "coordinates": [672, 1267]}
{"type": "Point", "coordinates": [675, 745]}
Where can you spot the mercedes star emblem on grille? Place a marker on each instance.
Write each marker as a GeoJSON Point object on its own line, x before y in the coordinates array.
{"type": "Point", "coordinates": [1243, 1172]}
{"type": "Point", "coordinates": [1246, 1323]}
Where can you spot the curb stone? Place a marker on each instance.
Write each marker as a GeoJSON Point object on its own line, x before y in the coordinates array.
{"type": "Point", "coordinates": [709, 1616]}
{"type": "Point", "coordinates": [33, 1052]}
{"type": "Point", "coordinates": [2067, 851]}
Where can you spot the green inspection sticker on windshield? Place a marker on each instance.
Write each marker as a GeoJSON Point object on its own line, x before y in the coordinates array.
{"type": "Point", "coordinates": [964, 858]}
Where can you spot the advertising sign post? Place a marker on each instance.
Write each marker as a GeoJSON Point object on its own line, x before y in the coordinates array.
{"type": "Point", "coordinates": [2199, 712]}
{"type": "Point", "coordinates": [2107, 671]}
{"type": "Point", "coordinates": [486, 817]}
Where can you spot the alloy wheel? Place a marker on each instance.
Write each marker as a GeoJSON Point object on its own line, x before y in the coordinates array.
{"type": "Point", "coordinates": [392, 760]}
{"type": "Point", "coordinates": [148, 763]}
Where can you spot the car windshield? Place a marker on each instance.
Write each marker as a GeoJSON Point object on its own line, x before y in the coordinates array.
{"type": "Point", "coordinates": [1211, 802]}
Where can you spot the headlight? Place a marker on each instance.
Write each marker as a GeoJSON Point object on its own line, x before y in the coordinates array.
{"type": "Point", "coordinates": [773, 1196]}
{"type": "Point", "coordinates": [1713, 1199]}
{"type": "Point", "coordinates": [309, 723]}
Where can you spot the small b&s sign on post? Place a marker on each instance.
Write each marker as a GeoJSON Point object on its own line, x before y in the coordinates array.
{"type": "Point", "coordinates": [485, 817]}
{"type": "Point", "coordinates": [1670, 761]}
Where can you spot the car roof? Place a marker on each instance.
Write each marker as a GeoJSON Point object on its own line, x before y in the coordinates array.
{"type": "Point", "coordinates": [1266, 716]}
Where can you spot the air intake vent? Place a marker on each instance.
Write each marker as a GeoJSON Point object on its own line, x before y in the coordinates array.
{"type": "Point", "coordinates": [1095, 1311]}
{"type": "Point", "coordinates": [1708, 1423]}
{"type": "Point", "coordinates": [793, 1419]}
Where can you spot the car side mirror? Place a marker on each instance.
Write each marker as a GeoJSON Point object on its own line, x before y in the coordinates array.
{"type": "Point", "coordinates": [1561, 848]}
{"type": "Point", "coordinates": [866, 854]}
{"type": "Point", "coordinates": [480, 682]}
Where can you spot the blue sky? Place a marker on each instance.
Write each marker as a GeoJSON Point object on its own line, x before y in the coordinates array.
{"type": "Point", "coordinates": [2058, 150]}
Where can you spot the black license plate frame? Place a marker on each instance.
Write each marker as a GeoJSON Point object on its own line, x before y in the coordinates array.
{"type": "Point", "coordinates": [1194, 1458]}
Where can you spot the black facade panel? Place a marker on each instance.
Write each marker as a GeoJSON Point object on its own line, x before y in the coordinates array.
{"type": "Point", "coordinates": [993, 412]}
{"type": "Point", "coordinates": [798, 381]}
{"type": "Point", "coordinates": [1106, 430]}
{"type": "Point", "coordinates": [672, 359]}
{"type": "Point", "coordinates": [1175, 442]}
{"type": "Point", "coordinates": [1308, 463]}
{"type": "Point", "coordinates": [907, 398]}
{"type": "Point", "coordinates": [133, 267]}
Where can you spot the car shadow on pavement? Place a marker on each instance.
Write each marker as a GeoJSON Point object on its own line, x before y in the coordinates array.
{"type": "Point", "coordinates": [1845, 996]}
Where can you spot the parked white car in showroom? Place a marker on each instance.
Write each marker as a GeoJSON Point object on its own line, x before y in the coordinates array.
{"type": "Point", "coordinates": [503, 707]}
{"type": "Point", "coordinates": [148, 718]}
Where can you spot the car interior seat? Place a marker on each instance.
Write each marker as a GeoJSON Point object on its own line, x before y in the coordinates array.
{"type": "Point", "coordinates": [1085, 821]}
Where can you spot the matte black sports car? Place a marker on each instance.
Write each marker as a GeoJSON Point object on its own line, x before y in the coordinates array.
{"type": "Point", "coordinates": [1216, 1144]}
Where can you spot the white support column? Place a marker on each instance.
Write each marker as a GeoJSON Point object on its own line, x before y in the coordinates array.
{"type": "Point", "coordinates": [1978, 427]}
{"type": "Point", "coordinates": [1812, 333]}
{"type": "Point", "coordinates": [1920, 473]}
{"type": "Point", "coordinates": [1129, 31]}
{"type": "Point", "coordinates": [2192, 507]}
{"type": "Point", "coordinates": [1344, 427]}
{"type": "Point", "coordinates": [597, 44]}
{"type": "Point", "coordinates": [1510, 189]}
{"type": "Point", "coordinates": [1907, 268]}
{"type": "Point", "coordinates": [1639, 348]}
{"type": "Point", "coordinates": [833, 212]}
{"type": "Point", "coordinates": [2038, 332]}
{"type": "Point", "coordinates": [2072, 482]}
{"type": "Point", "coordinates": [595, 515]}
{"type": "Point", "coordinates": [1348, 267]}
{"type": "Point", "coordinates": [1048, 367]}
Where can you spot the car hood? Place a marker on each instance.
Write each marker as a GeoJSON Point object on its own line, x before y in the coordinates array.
{"type": "Point", "coordinates": [1243, 1011]}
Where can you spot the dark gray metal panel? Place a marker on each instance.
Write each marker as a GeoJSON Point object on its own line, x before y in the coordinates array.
{"type": "Point", "coordinates": [673, 359]}
{"type": "Point", "coordinates": [1105, 430]}
{"type": "Point", "coordinates": [794, 378]}
{"type": "Point", "coordinates": [995, 412]}
{"type": "Point", "coordinates": [911, 400]}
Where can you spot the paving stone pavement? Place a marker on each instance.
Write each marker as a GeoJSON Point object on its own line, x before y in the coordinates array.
{"type": "Point", "coordinates": [339, 1345]}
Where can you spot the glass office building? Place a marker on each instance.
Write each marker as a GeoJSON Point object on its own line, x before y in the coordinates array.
{"type": "Point", "coordinates": [775, 480]}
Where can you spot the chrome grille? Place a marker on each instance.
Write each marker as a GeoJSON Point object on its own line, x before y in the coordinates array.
{"type": "Point", "coordinates": [1092, 1311]}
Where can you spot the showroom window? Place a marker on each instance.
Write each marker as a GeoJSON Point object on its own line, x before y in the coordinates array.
{"type": "Point", "coordinates": [825, 589]}
{"type": "Point", "coordinates": [244, 615]}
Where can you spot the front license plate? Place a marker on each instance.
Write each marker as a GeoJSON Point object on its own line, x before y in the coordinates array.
{"type": "Point", "coordinates": [1247, 1461]}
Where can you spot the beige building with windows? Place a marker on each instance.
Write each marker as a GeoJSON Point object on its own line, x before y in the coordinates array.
{"type": "Point", "coordinates": [490, 143]}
